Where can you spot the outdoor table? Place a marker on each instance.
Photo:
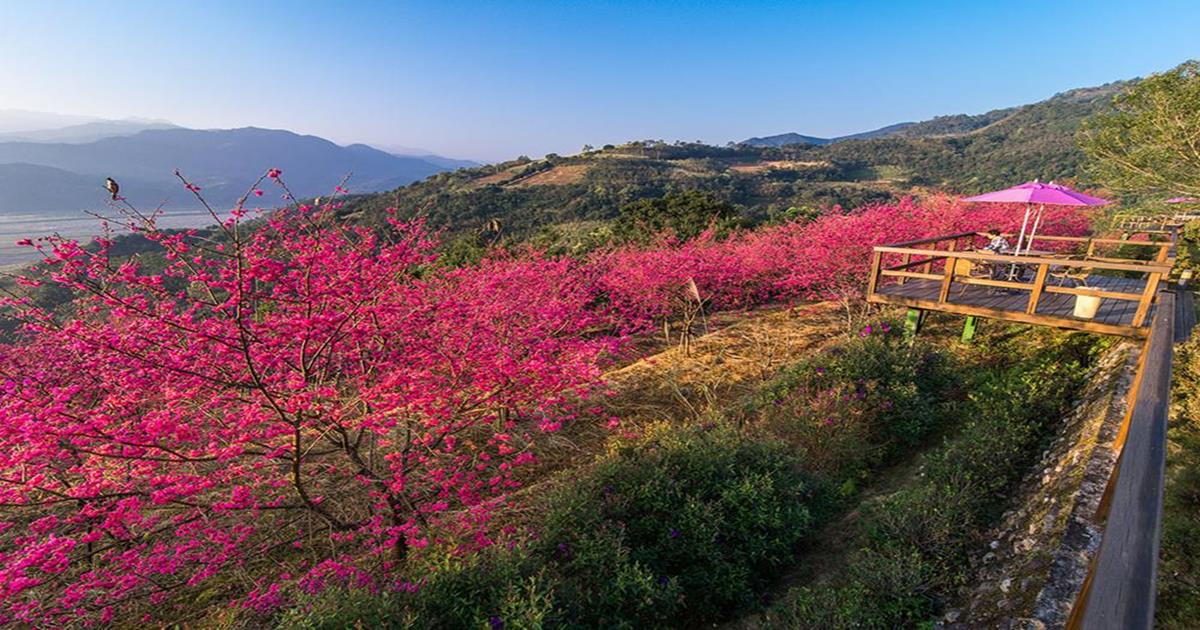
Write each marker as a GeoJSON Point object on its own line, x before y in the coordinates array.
{"type": "Point", "coordinates": [1018, 269]}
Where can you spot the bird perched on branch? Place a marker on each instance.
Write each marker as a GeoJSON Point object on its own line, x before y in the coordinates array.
{"type": "Point", "coordinates": [112, 187]}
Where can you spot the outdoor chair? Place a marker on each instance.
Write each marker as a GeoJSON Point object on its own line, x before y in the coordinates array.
{"type": "Point", "coordinates": [1070, 276]}
{"type": "Point", "coordinates": [981, 270]}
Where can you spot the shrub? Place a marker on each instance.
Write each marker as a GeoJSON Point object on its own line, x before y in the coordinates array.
{"type": "Point", "coordinates": [700, 511]}
{"type": "Point", "coordinates": [917, 541]}
{"type": "Point", "coordinates": [1179, 569]}
{"type": "Point", "coordinates": [859, 405]}
{"type": "Point", "coordinates": [682, 525]}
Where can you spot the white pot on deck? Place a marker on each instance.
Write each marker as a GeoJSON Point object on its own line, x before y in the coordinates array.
{"type": "Point", "coordinates": [1086, 306]}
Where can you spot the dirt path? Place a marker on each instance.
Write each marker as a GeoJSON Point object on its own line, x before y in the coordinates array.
{"type": "Point", "coordinates": [668, 385]}
{"type": "Point", "coordinates": [722, 366]}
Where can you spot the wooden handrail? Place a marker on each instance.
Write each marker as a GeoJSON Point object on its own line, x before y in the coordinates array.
{"type": "Point", "coordinates": [1115, 295]}
{"type": "Point", "coordinates": [935, 239]}
{"type": "Point", "coordinates": [1120, 588]}
{"type": "Point", "coordinates": [1078, 239]}
{"type": "Point", "coordinates": [909, 274]}
{"type": "Point", "coordinates": [913, 263]}
{"type": "Point", "coordinates": [1146, 267]}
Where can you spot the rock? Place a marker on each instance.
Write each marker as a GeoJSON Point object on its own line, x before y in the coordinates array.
{"type": "Point", "coordinates": [952, 616]}
{"type": "Point", "coordinates": [995, 544]}
{"type": "Point", "coordinates": [1005, 584]}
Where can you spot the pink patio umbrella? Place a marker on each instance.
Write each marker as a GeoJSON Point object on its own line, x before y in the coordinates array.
{"type": "Point", "coordinates": [1035, 192]}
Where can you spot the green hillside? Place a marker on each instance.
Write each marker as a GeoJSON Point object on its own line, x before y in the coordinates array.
{"type": "Point", "coordinates": [965, 153]}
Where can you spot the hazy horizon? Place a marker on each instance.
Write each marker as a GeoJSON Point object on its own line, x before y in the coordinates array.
{"type": "Point", "coordinates": [490, 82]}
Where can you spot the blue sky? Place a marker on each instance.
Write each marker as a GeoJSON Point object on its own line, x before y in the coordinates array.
{"type": "Point", "coordinates": [492, 80]}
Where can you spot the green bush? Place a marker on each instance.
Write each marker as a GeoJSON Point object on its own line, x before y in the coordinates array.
{"type": "Point", "coordinates": [861, 404]}
{"type": "Point", "coordinates": [917, 541]}
{"type": "Point", "coordinates": [496, 587]}
{"type": "Point", "coordinates": [687, 523]}
{"type": "Point", "coordinates": [705, 515]}
{"type": "Point", "coordinates": [1179, 563]}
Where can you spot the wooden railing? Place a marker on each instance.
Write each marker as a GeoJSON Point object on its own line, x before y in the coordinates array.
{"type": "Point", "coordinates": [1161, 223]}
{"type": "Point", "coordinates": [1119, 591]}
{"type": "Point", "coordinates": [938, 259]}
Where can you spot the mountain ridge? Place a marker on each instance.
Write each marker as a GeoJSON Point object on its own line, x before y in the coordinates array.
{"type": "Point", "coordinates": [562, 200]}
{"type": "Point", "coordinates": [944, 125]}
{"type": "Point", "coordinates": [48, 176]}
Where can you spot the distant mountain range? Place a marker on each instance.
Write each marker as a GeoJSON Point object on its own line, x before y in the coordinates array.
{"type": "Point", "coordinates": [85, 132]}
{"type": "Point", "coordinates": [787, 139]}
{"type": "Point", "coordinates": [60, 170]}
{"type": "Point", "coordinates": [957, 124]}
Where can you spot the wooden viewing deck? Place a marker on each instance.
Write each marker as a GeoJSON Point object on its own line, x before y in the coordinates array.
{"type": "Point", "coordinates": [951, 274]}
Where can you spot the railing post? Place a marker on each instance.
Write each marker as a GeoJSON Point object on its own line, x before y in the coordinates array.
{"type": "Point", "coordinates": [875, 271]}
{"type": "Point", "coordinates": [912, 323]}
{"type": "Point", "coordinates": [1139, 317]}
{"type": "Point", "coordinates": [1039, 283]}
{"type": "Point", "coordinates": [969, 326]}
{"type": "Point", "coordinates": [904, 261]}
{"type": "Point", "coordinates": [1164, 250]}
{"type": "Point", "coordinates": [947, 278]}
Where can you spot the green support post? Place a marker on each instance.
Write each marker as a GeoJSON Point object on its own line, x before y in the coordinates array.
{"type": "Point", "coordinates": [912, 323]}
{"type": "Point", "coordinates": [969, 328]}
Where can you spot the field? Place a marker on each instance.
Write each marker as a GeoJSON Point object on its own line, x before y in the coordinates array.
{"type": "Point", "coordinates": [759, 167]}
{"type": "Point", "coordinates": [327, 408]}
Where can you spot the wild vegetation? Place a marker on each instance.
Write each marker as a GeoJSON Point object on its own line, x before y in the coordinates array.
{"type": "Point", "coordinates": [1145, 146]}
{"type": "Point", "coordinates": [1147, 143]}
{"type": "Point", "coordinates": [341, 414]}
{"type": "Point", "coordinates": [1179, 574]}
{"type": "Point", "coordinates": [912, 547]}
{"type": "Point", "coordinates": [300, 405]}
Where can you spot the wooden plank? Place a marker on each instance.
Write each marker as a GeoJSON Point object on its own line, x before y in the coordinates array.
{"type": "Point", "coordinates": [1120, 592]}
{"type": "Point", "coordinates": [1100, 293]}
{"type": "Point", "coordinates": [949, 277]}
{"type": "Point", "coordinates": [935, 239]}
{"type": "Point", "coordinates": [1138, 266]}
{"type": "Point", "coordinates": [1185, 315]}
{"type": "Point", "coordinates": [910, 274]}
{"type": "Point", "coordinates": [1147, 297]}
{"type": "Point", "coordinates": [1001, 284]}
{"type": "Point", "coordinates": [1039, 284]}
{"type": "Point", "coordinates": [1011, 315]}
{"type": "Point", "coordinates": [1084, 239]}
{"type": "Point", "coordinates": [874, 273]}
{"type": "Point", "coordinates": [905, 263]}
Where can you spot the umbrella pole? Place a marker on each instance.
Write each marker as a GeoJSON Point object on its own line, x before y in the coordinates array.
{"type": "Point", "coordinates": [1024, 224]}
{"type": "Point", "coordinates": [1037, 221]}
{"type": "Point", "coordinates": [1012, 271]}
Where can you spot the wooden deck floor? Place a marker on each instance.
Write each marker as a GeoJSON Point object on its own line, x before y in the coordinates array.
{"type": "Point", "coordinates": [964, 298]}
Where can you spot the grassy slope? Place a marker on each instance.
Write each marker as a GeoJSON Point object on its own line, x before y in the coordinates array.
{"type": "Point", "coordinates": [733, 364]}
{"type": "Point", "coordinates": [956, 153]}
